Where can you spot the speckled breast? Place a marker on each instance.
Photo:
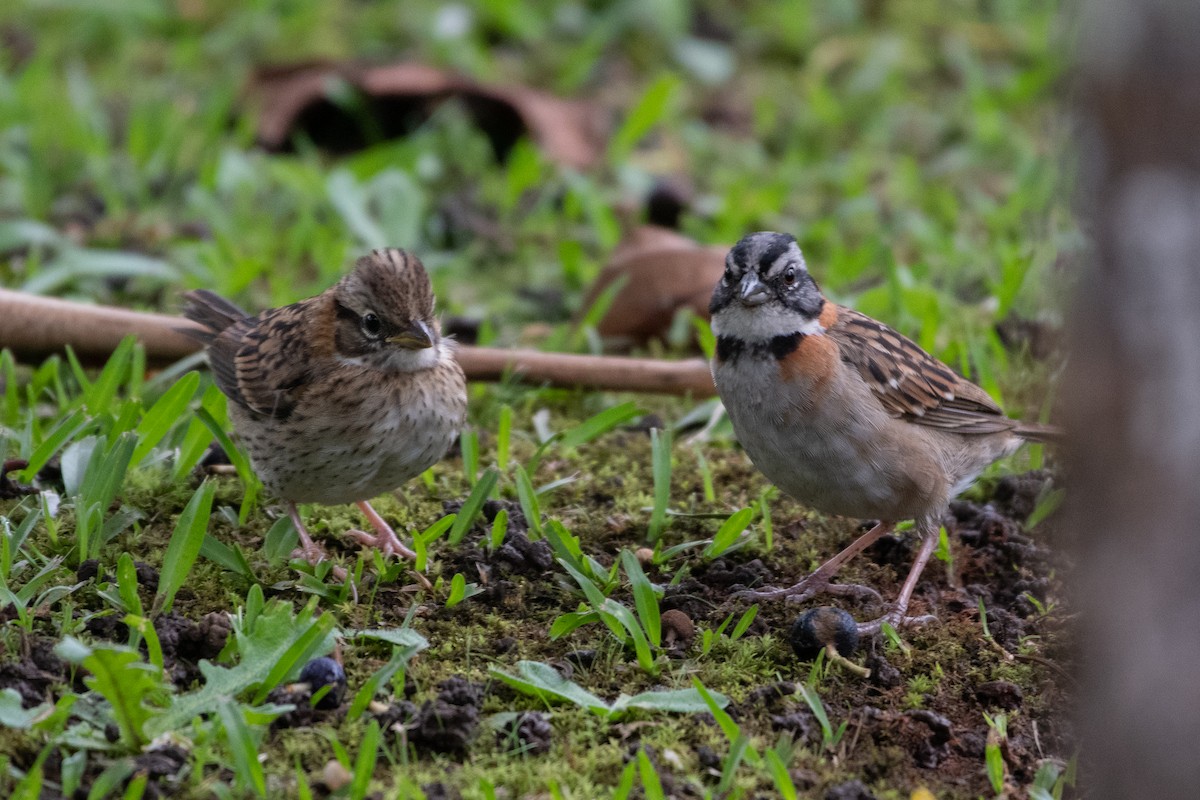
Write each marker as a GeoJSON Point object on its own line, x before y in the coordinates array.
{"type": "Point", "coordinates": [355, 448]}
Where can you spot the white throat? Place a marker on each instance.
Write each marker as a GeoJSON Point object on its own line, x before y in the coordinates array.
{"type": "Point", "coordinates": [396, 360]}
{"type": "Point", "coordinates": [762, 323]}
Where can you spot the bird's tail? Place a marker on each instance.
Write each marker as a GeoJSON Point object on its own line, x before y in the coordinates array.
{"type": "Point", "coordinates": [1042, 434]}
{"type": "Point", "coordinates": [211, 311]}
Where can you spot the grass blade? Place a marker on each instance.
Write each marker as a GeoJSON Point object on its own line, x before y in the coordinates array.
{"type": "Point", "coordinates": [660, 448]}
{"type": "Point", "coordinates": [185, 545]}
{"type": "Point", "coordinates": [473, 505]}
{"type": "Point", "coordinates": [364, 765]}
{"type": "Point", "coordinates": [165, 412]}
{"type": "Point", "coordinates": [644, 597]}
{"type": "Point", "coordinates": [242, 746]}
{"type": "Point", "coordinates": [596, 426]}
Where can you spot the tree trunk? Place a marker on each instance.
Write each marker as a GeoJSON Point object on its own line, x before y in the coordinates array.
{"type": "Point", "coordinates": [1132, 398]}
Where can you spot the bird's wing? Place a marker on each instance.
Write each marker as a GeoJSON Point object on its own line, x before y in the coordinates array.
{"type": "Point", "coordinates": [911, 384]}
{"type": "Point", "coordinates": [264, 363]}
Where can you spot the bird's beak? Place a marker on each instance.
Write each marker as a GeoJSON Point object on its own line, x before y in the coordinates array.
{"type": "Point", "coordinates": [416, 336]}
{"type": "Point", "coordinates": [752, 291]}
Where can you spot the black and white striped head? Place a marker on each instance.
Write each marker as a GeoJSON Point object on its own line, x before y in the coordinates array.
{"type": "Point", "coordinates": [766, 290]}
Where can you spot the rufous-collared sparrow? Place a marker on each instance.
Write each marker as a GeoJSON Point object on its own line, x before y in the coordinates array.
{"type": "Point", "coordinates": [343, 396]}
{"type": "Point", "coordinates": [843, 413]}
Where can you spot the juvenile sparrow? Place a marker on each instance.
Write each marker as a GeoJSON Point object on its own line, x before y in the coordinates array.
{"type": "Point", "coordinates": [843, 413]}
{"type": "Point", "coordinates": [343, 396]}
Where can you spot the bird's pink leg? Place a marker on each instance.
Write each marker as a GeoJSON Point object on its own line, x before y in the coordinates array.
{"type": "Point", "coordinates": [385, 539]}
{"type": "Point", "coordinates": [895, 616]}
{"type": "Point", "coordinates": [312, 552]}
{"type": "Point", "coordinates": [819, 581]}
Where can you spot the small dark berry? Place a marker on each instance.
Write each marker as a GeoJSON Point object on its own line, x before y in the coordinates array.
{"type": "Point", "coordinates": [324, 671]}
{"type": "Point", "coordinates": [823, 626]}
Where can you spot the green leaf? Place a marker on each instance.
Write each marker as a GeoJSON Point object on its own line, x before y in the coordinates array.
{"type": "Point", "coordinates": [596, 426]}
{"type": "Point", "coordinates": [400, 658]}
{"type": "Point", "coordinates": [473, 505]}
{"type": "Point", "coordinates": [236, 457]}
{"type": "Point", "coordinates": [120, 676]}
{"type": "Point", "coordinates": [779, 774]}
{"type": "Point", "coordinates": [127, 584]}
{"type": "Point", "coordinates": [401, 637]}
{"type": "Point", "coordinates": [648, 112]}
{"type": "Point", "coordinates": [529, 502]}
{"type": "Point", "coordinates": [66, 430]}
{"type": "Point", "coordinates": [499, 530]}
{"type": "Point", "coordinates": [263, 640]}
{"type": "Point", "coordinates": [73, 263]}
{"type": "Point", "coordinates": [625, 785]}
{"type": "Point", "coordinates": [571, 621]}
{"type": "Point", "coordinates": [305, 646]}
{"type": "Point", "coordinates": [744, 623]}
{"type": "Point", "coordinates": [164, 414]}
{"type": "Point", "coordinates": [458, 590]}
{"type": "Point", "coordinates": [230, 558]}
{"type": "Point", "coordinates": [644, 597]}
{"type": "Point", "coordinates": [1047, 503]}
{"type": "Point", "coordinates": [729, 532]}
{"type": "Point", "coordinates": [739, 750]}
{"type": "Point", "coordinates": [818, 709]}
{"type": "Point", "coordinates": [994, 759]}
{"type": "Point", "coordinates": [628, 621]}
{"type": "Point", "coordinates": [725, 722]}
{"type": "Point", "coordinates": [280, 541]}
{"type": "Point", "coordinates": [650, 781]}
{"type": "Point", "coordinates": [13, 714]}
{"type": "Point", "coordinates": [680, 701]}
{"type": "Point", "coordinates": [660, 456]}
{"type": "Point", "coordinates": [109, 781]}
{"type": "Point", "coordinates": [186, 542]}
{"type": "Point", "coordinates": [101, 393]}
{"type": "Point", "coordinates": [364, 765]}
{"type": "Point", "coordinates": [242, 745]}
{"type": "Point", "coordinates": [145, 627]}
{"type": "Point", "coordinates": [468, 442]}
{"type": "Point", "coordinates": [548, 685]}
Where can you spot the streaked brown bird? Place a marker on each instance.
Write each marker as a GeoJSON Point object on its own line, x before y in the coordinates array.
{"type": "Point", "coordinates": [845, 414]}
{"type": "Point", "coordinates": [343, 396]}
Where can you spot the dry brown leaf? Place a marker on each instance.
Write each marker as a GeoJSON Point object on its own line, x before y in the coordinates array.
{"type": "Point", "coordinates": [663, 272]}
{"type": "Point", "coordinates": [296, 98]}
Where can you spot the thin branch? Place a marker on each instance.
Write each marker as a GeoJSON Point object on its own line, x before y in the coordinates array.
{"type": "Point", "coordinates": [34, 327]}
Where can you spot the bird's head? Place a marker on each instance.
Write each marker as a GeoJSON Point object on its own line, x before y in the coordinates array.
{"type": "Point", "coordinates": [384, 310]}
{"type": "Point", "coordinates": [766, 290]}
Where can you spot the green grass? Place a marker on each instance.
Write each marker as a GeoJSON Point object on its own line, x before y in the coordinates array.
{"type": "Point", "coordinates": [914, 149]}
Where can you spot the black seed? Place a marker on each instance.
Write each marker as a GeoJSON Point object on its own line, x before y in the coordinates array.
{"type": "Point", "coordinates": [822, 626]}
{"type": "Point", "coordinates": [321, 672]}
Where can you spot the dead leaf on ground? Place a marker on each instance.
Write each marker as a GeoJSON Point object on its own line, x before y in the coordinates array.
{"type": "Point", "coordinates": [304, 99]}
{"type": "Point", "coordinates": [663, 272]}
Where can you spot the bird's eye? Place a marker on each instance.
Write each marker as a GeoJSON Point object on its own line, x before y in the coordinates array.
{"type": "Point", "coordinates": [372, 326]}
{"type": "Point", "coordinates": [789, 276]}
{"type": "Point", "coordinates": [727, 278]}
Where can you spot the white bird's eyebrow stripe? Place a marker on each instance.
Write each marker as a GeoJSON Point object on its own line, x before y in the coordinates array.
{"type": "Point", "coordinates": [778, 266]}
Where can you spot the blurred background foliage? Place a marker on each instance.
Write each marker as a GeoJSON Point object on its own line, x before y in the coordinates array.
{"type": "Point", "coordinates": [913, 148]}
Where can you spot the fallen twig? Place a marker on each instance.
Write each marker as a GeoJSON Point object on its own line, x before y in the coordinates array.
{"type": "Point", "coordinates": [34, 327]}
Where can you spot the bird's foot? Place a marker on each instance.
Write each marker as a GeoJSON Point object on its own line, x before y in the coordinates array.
{"type": "Point", "coordinates": [384, 540]}
{"type": "Point", "coordinates": [815, 584]}
{"type": "Point", "coordinates": [312, 552]}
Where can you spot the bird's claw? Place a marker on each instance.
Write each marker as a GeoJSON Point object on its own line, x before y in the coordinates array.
{"type": "Point", "coordinates": [388, 544]}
